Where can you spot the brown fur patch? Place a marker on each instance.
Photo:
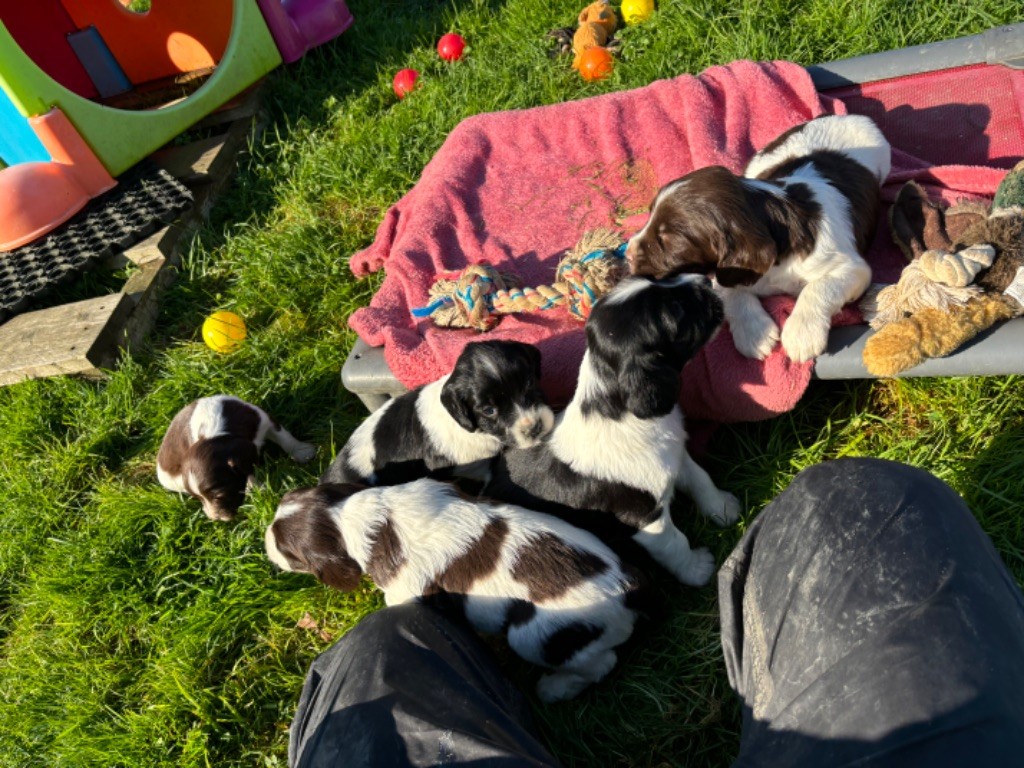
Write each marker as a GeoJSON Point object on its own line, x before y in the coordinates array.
{"type": "Point", "coordinates": [386, 555]}
{"type": "Point", "coordinates": [549, 567]}
{"type": "Point", "coordinates": [176, 442]}
{"type": "Point", "coordinates": [242, 419]}
{"type": "Point", "coordinates": [477, 562]}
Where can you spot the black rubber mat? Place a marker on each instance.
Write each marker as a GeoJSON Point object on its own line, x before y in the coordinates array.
{"type": "Point", "coordinates": [145, 198]}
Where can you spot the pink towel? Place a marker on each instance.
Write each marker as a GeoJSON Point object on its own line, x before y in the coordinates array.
{"type": "Point", "coordinates": [517, 189]}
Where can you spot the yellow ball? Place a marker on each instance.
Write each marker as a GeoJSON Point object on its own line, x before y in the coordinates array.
{"type": "Point", "coordinates": [223, 331]}
{"type": "Point", "coordinates": [636, 11]}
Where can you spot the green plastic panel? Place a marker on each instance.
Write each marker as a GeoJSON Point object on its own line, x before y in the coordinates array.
{"type": "Point", "coordinates": [120, 138]}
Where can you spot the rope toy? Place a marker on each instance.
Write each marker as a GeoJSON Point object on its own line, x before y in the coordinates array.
{"type": "Point", "coordinates": [477, 296]}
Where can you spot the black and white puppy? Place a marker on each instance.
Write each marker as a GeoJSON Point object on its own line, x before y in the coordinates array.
{"type": "Point", "coordinates": [562, 596]}
{"type": "Point", "coordinates": [490, 400]}
{"type": "Point", "coordinates": [797, 222]}
{"type": "Point", "coordinates": [212, 447]}
{"type": "Point", "coordinates": [619, 448]}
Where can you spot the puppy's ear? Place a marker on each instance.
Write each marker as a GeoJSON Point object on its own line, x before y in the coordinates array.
{"type": "Point", "coordinates": [459, 400]}
{"type": "Point", "coordinates": [534, 356]}
{"type": "Point", "coordinates": [749, 252]}
{"type": "Point", "coordinates": [311, 543]}
{"type": "Point", "coordinates": [342, 573]}
{"type": "Point", "coordinates": [243, 457]}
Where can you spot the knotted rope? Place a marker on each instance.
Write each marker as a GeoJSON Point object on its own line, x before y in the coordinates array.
{"type": "Point", "coordinates": [479, 294]}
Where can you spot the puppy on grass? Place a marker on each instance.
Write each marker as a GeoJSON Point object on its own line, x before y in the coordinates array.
{"type": "Point", "coordinates": [212, 447]}
{"type": "Point", "coordinates": [564, 599]}
{"type": "Point", "coordinates": [489, 401]}
{"type": "Point", "coordinates": [618, 453]}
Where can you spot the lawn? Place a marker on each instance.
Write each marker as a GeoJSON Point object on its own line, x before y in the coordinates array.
{"type": "Point", "coordinates": [135, 632]}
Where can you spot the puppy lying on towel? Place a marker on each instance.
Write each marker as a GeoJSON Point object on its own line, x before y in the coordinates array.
{"type": "Point", "coordinates": [490, 400]}
{"type": "Point", "coordinates": [620, 446]}
{"type": "Point", "coordinates": [211, 449]}
{"type": "Point", "coordinates": [562, 596]}
{"type": "Point", "coordinates": [797, 222]}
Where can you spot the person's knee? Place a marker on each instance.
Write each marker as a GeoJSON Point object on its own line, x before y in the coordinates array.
{"type": "Point", "coordinates": [849, 474]}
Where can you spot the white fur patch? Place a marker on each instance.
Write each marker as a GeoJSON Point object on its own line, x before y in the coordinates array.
{"type": "Point", "coordinates": [446, 435]}
{"type": "Point", "coordinates": [361, 448]}
{"type": "Point", "coordinates": [855, 136]}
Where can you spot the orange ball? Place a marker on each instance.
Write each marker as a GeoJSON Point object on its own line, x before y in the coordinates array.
{"type": "Point", "coordinates": [595, 64]}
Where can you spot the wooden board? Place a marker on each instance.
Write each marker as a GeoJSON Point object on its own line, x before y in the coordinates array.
{"type": "Point", "coordinates": [86, 337]}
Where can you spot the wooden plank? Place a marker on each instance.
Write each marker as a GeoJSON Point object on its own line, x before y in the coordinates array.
{"type": "Point", "coordinates": [81, 338]}
{"type": "Point", "coordinates": [246, 104]}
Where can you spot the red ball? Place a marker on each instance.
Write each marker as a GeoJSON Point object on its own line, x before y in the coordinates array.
{"type": "Point", "coordinates": [404, 82]}
{"type": "Point", "coordinates": [450, 47]}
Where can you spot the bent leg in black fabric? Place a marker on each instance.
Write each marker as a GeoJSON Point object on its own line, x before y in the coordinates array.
{"type": "Point", "coordinates": [867, 620]}
{"type": "Point", "coordinates": [409, 687]}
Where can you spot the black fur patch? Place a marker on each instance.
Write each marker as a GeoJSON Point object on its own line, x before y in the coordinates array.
{"type": "Point", "coordinates": [535, 479]}
{"type": "Point", "coordinates": [562, 645]}
{"type": "Point", "coordinates": [519, 612]}
{"type": "Point", "coordinates": [490, 381]}
{"type": "Point", "coordinates": [639, 344]}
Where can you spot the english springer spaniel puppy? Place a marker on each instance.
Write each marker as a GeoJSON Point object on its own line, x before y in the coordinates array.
{"type": "Point", "coordinates": [798, 222]}
{"type": "Point", "coordinates": [211, 449]}
{"type": "Point", "coordinates": [618, 451]}
{"type": "Point", "coordinates": [563, 598]}
{"type": "Point", "coordinates": [490, 400]}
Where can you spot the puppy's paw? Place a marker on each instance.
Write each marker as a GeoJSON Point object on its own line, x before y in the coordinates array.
{"type": "Point", "coordinates": [726, 510]}
{"type": "Point", "coordinates": [804, 339]}
{"type": "Point", "coordinates": [303, 452]}
{"type": "Point", "coordinates": [755, 336]}
{"type": "Point", "coordinates": [698, 569]}
{"type": "Point", "coordinates": [560, 686]}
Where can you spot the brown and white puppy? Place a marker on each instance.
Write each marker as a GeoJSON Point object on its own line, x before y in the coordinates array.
{"type": "Point", "coordinates": [797, 222]}
{"type": "Point", "coordinates": [211, 449]}
{"type": "Point", "coordinates": [563, 598]}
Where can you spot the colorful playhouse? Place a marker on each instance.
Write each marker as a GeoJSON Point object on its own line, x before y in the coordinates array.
{"type": "Point", "coordinates": [88, 88]}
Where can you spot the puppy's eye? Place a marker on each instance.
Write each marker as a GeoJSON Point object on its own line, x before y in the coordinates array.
{"type": "Point", "coordinates": [489, 411]}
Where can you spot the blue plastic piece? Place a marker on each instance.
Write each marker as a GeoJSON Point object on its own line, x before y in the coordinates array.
{"type": "Point", "coordinates": [18, 142]}
{"type": "Point", "coordinates": [98, 61]}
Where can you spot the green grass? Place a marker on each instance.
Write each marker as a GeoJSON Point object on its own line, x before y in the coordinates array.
{"type": "Point", "coordinates": [137, 633]}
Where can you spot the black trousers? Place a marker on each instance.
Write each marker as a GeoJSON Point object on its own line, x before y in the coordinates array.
{"type": "Point", "coordinates": [866, 621]}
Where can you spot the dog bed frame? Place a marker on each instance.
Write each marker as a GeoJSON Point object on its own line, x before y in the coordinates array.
{"type": "Point", "coordinates": [999, 351]}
